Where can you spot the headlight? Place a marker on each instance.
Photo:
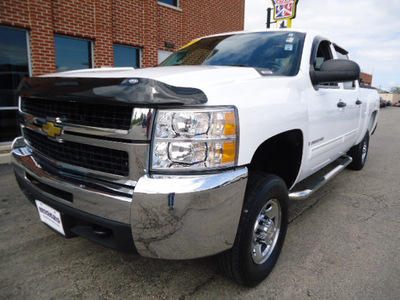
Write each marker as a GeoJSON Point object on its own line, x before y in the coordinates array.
{"type": "Point", "coordinates": [195, 139]}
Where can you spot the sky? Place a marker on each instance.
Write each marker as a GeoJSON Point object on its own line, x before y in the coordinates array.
{"type": "Point", "coordinates": [368, 29]}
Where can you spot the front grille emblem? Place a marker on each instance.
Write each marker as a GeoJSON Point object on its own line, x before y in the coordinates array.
{"type": "Point", "coordinates": [51, 129]}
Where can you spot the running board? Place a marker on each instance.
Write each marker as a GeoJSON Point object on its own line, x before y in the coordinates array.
{"type": "Point", "coordinates": [308, 186]}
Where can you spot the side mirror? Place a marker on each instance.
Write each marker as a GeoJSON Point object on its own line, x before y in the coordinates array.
{"type": "Point", "coordinates": [336, 70]}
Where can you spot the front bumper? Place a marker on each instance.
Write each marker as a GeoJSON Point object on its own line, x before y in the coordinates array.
{"type": "Point", "coordinates": [169, 217]}
{"type": "Point", "coordinates": [182, 217]}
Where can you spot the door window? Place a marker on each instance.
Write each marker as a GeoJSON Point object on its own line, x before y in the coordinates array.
{"type": "Point", "coordinates": [322, 54]}
{"type": "Point", "coordinates": [343, 54]}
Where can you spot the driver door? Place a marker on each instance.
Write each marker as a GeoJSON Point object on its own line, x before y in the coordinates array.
{"type": "Point", "coordinates": [326, 114]}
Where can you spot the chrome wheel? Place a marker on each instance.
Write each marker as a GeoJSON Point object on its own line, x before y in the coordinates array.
{"type": "Point", "coordinates": [266, 231]}
{"type": "Point", "coordinates": [364, 151]}
{"type": "Point", "coordinates": [359, 154]}
{"type": "Point", "coordinates": [261, 231]}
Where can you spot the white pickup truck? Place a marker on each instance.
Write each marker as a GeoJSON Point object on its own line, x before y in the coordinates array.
{"type": "Point", "coordinates": [198, 156]}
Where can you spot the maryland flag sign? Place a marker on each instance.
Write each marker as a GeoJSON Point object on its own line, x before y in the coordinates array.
{"type": "Point", "coordinates": [284, 9]}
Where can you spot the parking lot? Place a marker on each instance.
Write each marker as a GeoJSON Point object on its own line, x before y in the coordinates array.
{"type": "Point", "coordinates": [342, 243]}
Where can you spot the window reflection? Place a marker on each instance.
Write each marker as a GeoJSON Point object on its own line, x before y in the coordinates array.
{"type": "Point", "coordinates": [72, 53]}
{"type": "Point", "coordinates": [170, 2]}
{"type": "Point", "coordinates": [9, 125]}
{"type": "Point", "coordinates": [14, 66]}
{"type": "Point", "coordinates": [125, 56]}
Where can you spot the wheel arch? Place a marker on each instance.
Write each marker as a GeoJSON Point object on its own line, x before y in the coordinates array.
{"type": "Point", "coordinates": [373, 124]}
{"type": "Point", "coordinates": [280, 155]}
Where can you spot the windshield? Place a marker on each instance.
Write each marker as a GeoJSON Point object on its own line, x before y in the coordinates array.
{"type": "Point", "coordinates": [279, 53]}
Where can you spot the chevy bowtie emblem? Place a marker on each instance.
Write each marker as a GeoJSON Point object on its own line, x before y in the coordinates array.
{"type": "Point", "coordinates": [51, 129]}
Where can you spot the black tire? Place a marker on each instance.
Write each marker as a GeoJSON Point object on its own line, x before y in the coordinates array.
{"type": "Point", "coordinates": [359, 154]}
{"type": "Point", "coordinates": [243, 263]}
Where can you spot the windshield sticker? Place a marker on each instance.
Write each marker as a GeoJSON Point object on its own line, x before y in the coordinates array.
{"type": "Point", "coordinates": [288, 47]}
{"type": "Point", "coordinates": [291, 34]}
{"type": "Point", "coordinates": [191, 43]}
{"type": "Point", "coordinates": [290, 40]}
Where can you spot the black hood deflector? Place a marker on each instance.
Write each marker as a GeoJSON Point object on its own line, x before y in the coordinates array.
{"type": "Point", "coordinates": [116, 91]}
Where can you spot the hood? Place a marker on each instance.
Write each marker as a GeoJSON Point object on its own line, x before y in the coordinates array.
{"type": "Point", "coordinates": [181, 76]}
{"type": "Point", "coordinates": [152, 86]}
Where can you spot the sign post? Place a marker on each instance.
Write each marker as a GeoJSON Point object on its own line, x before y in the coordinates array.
{"type": "Point", "coordinates": [284, 10]}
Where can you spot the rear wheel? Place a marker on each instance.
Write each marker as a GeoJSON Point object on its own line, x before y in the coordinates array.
{"type": "Point", "coordinates": [261, 231]}
{"type": "Point", "coordinates": [359, 153]}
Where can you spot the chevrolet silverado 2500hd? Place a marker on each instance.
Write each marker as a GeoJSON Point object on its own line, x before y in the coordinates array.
{"type": "Point", "coordinates": [200, 155]}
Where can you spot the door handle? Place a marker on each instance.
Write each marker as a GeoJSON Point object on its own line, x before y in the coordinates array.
{"type": "Point", "coordinates": [358, 102]}
{"type": "Point", "coordinates": [341, 104]}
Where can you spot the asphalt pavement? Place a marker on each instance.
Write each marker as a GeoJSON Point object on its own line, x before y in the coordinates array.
{"type": "Point", "coordinates": [342, 243]}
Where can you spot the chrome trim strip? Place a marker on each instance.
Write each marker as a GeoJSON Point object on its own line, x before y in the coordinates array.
{"type": "Point", "coordinates": [194, 139]}
{"type": "Point", "coordinates": [137, 132]}
{"type": "Point", "coordinates": [8, 107]}
{"type": "Point", "coordinates": [188, 183]}
{"type": "Point", "coordinates": [82, 140]}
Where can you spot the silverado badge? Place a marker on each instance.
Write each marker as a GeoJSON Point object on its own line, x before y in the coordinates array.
{"type": "Point", "coordinates": [51, 129]}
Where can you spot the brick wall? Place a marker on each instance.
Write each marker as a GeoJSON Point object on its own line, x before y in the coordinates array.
{"type": "Point", "coordinates": [140, 23]}
{"type": "Point", "coordinates": [75, 17]}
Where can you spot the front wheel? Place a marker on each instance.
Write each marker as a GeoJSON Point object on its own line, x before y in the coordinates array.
{"type": "Point", "coordinates": [359, 154]}
{"type": "Point", "coordinates": [261, 231]}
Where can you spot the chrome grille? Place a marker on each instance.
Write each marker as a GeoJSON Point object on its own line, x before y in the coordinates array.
{"type": "Point", "coordinates": [87, 156]}
{"type": "Point", "coordinates": [95, 115]}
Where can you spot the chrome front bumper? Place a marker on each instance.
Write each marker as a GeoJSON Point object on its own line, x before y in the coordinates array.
{"type": "Point", "coordinates": [171, 217]}
{"type": "Point", "coordinates": [183, 217]}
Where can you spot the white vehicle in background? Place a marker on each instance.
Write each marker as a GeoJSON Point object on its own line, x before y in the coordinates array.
{"type": "Point", "coordinates": [200, 155]}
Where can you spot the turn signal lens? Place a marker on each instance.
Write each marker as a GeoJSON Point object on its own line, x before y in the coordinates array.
{"type": "Point", "coordinates": [229, 152]}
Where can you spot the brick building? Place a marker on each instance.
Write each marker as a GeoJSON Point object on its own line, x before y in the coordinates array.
{"type": "Point", "coordinates": [45, 36]}
{"type": "Point", "coordinates": [366, 78]}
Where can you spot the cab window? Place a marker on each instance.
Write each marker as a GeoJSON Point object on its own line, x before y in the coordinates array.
{"type": "Point", "coordinates": [343, 54]}
{"type": "Point", "coordinates": [323, 53]}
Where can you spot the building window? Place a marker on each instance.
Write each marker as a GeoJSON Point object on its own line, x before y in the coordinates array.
{"type": "Point", "coordinates": [14, 66]}
{"type": "Point", "coordinates": [126, 56]}
{"type": "Point", "coordinates": [170, 2]}
{"type": "Point", "coordinates": [72, 53]}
